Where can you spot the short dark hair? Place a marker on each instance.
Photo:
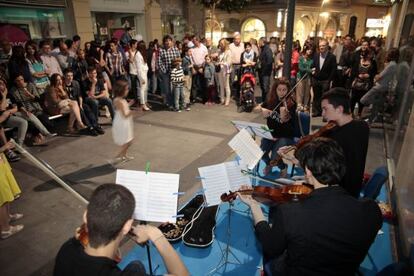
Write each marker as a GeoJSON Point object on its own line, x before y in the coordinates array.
{"type": "Point", "coordinates": [69, 42]}
{"type": "Point", "coordinates": [44, 42]}
{"type": "Point", "coordinates": [67, 70]}
{"type": "Point", "coordinates": [119, 88]}
{"type": "Point", "coordinates": [110, 207]}
{"type": "Point", "coordinates": [393, 54]}
{"type": "Point", "coordinates": [76, 38]}
{"type": "Point", "coordinates": [247, 44]}
{"type": "Point", "coordinates": [91, 69]}
{"type": "Point", "coordinates": [56, 42]}
{"type": "Point", "coordinates": [325, 158]}
{"type": "Point", "coordinates": [166, 37]}
{"type": "Point", "coordinates": [338, 96]}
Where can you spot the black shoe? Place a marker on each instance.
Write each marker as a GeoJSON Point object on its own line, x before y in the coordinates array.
{"type": "Point", "coordinates": [92, 132]}
{"type": "Point", "coordinates": [99, 130]}
{"type": "Point", "coordinates": [11, 156]}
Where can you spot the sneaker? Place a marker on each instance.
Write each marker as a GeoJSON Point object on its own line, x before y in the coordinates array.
{"type": "Point", "coordinates": [12, 230]}
{"type": "Point", "coordinates": [99, 130]}
{"type": "Point", "coordinates": [51, 134]}
{"type": "Point", "coordinates": [11, 156]}
{"type": "Point", "coordinates": [188, 108]}
{"type": "Point", "coordinates": [107, 113]}
{"type": "Point", "coordinates": [16, 216]}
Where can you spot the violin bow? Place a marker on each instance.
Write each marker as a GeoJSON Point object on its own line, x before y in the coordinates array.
{"type": "Point", "coordinates": [288, 95]}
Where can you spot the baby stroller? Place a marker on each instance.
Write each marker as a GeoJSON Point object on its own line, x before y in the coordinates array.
{"type": "Point", "coordinates": [247, 99]}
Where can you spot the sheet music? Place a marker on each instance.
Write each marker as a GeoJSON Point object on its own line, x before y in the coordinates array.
{"type": "Point", "coordinates": [221, 178]}
{"type": "Point", "coordinates": [235, 176]}
{"type": "Point", "coordinates": [246, 148]}
{"type": "Point", "coordinates": [256, 129]}
{"type": "Point", "coordinates": [155, 194]}
{"type": "Point", "coordinates": [215, 182]}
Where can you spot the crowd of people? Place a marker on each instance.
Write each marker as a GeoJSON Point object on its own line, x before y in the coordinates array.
{"type": "Point", "coordinates": [39, 81]}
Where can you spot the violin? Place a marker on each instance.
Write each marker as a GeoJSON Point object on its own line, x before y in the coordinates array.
{"type": "Point", "coordinates": [306, 139]}
{"type": "Point", "coordinates": [271, 195]}
{"type": "Point", "coordinates": [288, 102]}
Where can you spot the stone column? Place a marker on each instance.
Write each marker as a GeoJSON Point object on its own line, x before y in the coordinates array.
{"type": "Point", "coordinates": [153, 20]}
{"type": "Point", "coordinates": [82, 19]}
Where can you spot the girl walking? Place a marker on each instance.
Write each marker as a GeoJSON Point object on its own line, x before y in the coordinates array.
{"type": "Point", "coordinates": [122, 126]}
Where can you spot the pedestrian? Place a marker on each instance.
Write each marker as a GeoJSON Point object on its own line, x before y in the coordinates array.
{"type": "Point", "coordinates": [177, 82]}
{"type": "Point", "coordinates": [122, 126]}
{"type": "Point", "coordinates": [209, 71]}
{"type": "Point", "coordinates": [9, 191]}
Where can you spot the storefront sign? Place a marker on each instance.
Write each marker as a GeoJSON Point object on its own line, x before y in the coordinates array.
{"type": "Point", "coordinates": [375, 23]}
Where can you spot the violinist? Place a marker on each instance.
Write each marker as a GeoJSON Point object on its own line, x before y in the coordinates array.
{"type": "Point", "coordinates": [327, 233]}
{"type": "Point", "coordinates": [352, 135]}
{"type": "Point", "coordinates": [279, 111]}
{"type": "Point", "coordinates": [108, 219]}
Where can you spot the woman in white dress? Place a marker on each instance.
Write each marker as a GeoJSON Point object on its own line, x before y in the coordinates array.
{"type": "Point", "coordinates": [143, 74]}
{"type": "Point", "coordinates": [122, 126]}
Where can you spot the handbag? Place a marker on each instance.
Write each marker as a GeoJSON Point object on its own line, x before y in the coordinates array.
{"type": "Point", "coordinates": [218, 68]}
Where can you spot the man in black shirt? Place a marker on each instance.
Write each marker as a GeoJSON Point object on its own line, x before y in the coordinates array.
{"type": "Point", "coordinates": [88, 107]}
{"type": "Point", "coordinates": [327, 233]}
{"type": "Point", "coordinates": [108, 219]}
{"type": "Point", "coordinates": [351, 135]}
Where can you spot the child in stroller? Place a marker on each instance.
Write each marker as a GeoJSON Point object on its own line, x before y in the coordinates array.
{"type": "Point", "coordinates": [247, 99]}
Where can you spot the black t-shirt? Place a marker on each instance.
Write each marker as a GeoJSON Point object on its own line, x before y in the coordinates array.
{"type": "Point", "coordinates": [353, 138]}
{"type": "Point", "coordinates": [279, 130]}
{"type": "Point", "coordinates": [72, 260]}
{"type": "Point", "coordinates": [99, 86]}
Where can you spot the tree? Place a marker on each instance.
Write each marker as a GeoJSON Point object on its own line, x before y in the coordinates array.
{"type": "Point", "coordinates": [228, 5]}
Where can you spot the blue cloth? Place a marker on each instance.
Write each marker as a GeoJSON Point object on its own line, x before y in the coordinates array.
{"type": "Point", "coordinates": [199, 261]}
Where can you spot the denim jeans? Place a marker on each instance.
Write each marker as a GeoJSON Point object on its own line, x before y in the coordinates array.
{"type": "Point", "coordinates": [165, 86]}
{"type": "Point", "coordinates": [375, 96]}
{"type": "Point", "coordinates": [178, 96]}
{"type": "Point", "coordinates": [272, 146]}
{"type": "Point", "coordinates": [264, 86]}
{"type": "Point", "coordinates": [135, 87]}
{"type": "Point", "coordinates": [105, 102]}
{"type": "Point", "coordinates": [21, 125]}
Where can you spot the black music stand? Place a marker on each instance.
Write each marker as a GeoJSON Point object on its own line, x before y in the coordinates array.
{"type": "Point", "coordinates": [226, 252]}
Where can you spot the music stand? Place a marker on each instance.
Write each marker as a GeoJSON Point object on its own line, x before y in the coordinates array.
{"type": "Point", "coordinates": [227, 250]}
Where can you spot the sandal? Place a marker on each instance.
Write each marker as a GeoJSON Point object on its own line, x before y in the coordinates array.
{"type": "Point", "coordinates": [12, 230]}
{"type": "Point", "coordinates": [16, 216]}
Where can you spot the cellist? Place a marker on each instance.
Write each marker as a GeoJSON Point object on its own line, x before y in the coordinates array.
{"type": "Point", "coordinates": [352, 135]}
{"type": "Point", "coordinates": [327, 233]}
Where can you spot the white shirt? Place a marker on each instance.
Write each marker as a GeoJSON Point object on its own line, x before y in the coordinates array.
{"type": "Point", "coordinates": [322, 60]}
{"type": "Point", "coordinates": [199, 54]}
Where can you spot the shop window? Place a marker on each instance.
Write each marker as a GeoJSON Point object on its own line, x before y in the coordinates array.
{"type": "Point", "coordinates": [253, 28]}
{"type": "Point", "coordinates": [35, 23]}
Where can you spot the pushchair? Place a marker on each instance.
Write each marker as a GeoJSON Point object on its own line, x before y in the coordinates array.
{"type": "Point", "coordinates": [247, 100]}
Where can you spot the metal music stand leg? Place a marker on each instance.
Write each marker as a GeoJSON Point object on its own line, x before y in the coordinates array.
{"type": "Point", "coordinates": [227, 250]}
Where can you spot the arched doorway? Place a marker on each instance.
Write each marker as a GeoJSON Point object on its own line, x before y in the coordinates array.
{"type": "Point", "coordinates": [330, 29]}
{"type": "Point", "coordinates": [213, 25]}
{"type": "Point", "coordinates": [253, 28]}
{"type": "Point", "coordinates": [303, 29]}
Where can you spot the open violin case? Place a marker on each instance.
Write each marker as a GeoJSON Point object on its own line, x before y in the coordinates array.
{"type": "Point", "coordinates": [195, 224]}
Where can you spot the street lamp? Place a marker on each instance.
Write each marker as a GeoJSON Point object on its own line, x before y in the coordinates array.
{"type": "Point", "coordinates": [317, 20]}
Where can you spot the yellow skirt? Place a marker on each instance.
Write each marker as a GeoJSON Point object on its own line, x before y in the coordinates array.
{"type": "Point", "coordinates": [8, 185]}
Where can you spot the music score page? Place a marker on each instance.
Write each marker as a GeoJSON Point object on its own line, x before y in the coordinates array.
{"type": "Point", "coordinates": [155, 194]}
{"type": "Point", "coordinates": [221, 178]}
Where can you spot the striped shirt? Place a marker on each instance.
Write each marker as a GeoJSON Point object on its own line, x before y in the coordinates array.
{"type": "Point", "coordinates": [115, 63]}
{"type": "Point", "coordinates": [177, 76]}
{"type": "Point", "coordinates": [166, 57]}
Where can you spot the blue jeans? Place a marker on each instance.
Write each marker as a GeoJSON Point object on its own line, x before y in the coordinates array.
{"type": "Point", "coordinates": [271, 146]}
{"type": "Point", "coordinates": [178, 96]}
{"type": "Point", "coordinates": [165, 86]}
{"type": "Point", "coordinates": [106, 102]}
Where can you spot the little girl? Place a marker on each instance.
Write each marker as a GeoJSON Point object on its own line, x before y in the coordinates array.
{"type": "Point", "coordinates": [209, 71]}
{"type": "Point", "coordinates": [122, 126]}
